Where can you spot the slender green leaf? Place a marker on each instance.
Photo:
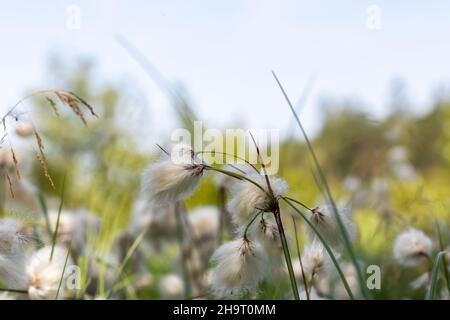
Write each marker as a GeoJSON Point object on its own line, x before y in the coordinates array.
{"type": "Point", "coordinates": [44, 207]}
{"type": "Point", "coordinates": [327, 247]}
{"type": "Point", "coordinates": [324, 182]}
{"type": "Point", "coordinates": [55, 233]}
{"type": "Point", "coordinates": [434, 276]}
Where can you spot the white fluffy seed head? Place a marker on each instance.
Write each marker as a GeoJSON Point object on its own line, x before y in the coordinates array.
{"type": "Point", "coordinates": [248, 199]}
{"type": "Point", "coordinates": [265, 231]}
{"type": "Point", "coordinates": [171, 287]}
{"type": "Point", "coordinates": [239, 265]}
{"type": "Point", "coordinates": [44, 275]}
{"type": "Point", "coordinates": [324, 219]}
{"type": "Point", "coordinates": [171, 180]}
{"type": "Point", "coordinates": [204, 221]}
{"type": "Point", "coordinates": [316, 260]}
{"type": "Point", "coordinates": [411, 247]}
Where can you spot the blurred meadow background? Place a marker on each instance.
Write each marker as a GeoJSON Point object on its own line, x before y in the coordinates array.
{"type": "Point", "coordinates": [373, 96]}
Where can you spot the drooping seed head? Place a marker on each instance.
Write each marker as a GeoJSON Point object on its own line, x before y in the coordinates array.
{"type": "Point", "coordinates": [324, 219]}
{"type": "Point", "coordinates": [248, 198]}
{"type": "Point", "coordinates": [173, 179]}
{"type": "Point", "coordinates": [239, 265]}
{"type": "Point", "coordinates": [44, 275]}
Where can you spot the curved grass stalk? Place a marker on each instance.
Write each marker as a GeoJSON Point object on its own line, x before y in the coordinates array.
{"type": "Point", "coordinates": [62, 274]}
{"type": "Point", "coordinates": [287, 255]}
{"type": "Point", "coordinates": [237, 176]}
{"type": "Point", "coordinates": [327, 247]}
{"type": "Point", "coordinates": [300, 259]}
{"type": "Point", "coordinates": [325, 185]}
{"type": "Point", "coordinates": [277, 215]}
{"type": "Point", "coordinates": [250, 223]}
{"type": "Point", "coordinates": [435, 275]}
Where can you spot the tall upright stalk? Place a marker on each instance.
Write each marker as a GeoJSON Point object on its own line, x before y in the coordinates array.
{"type": "Point", "coordinates": [287, 255]}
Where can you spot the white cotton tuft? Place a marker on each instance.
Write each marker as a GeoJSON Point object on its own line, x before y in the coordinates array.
{"type": "Point", "coordinates": [313, 295]}
{"type": "Point", "coordinates": [316, 260]}
{"type": "Point", "coordinates": [240, 265]}
{"type": "Point", "coordinates": [248, 198]}
{"type": "Point", "coordinates": [324, 219]}
{"type": "Point", "coordinates": [411, 246]}
{"type": "Point", "coordinates": [171, 287]}
{"type": "Point", "coordinates": [171, 180]}
{"type": "Point", "coordinates": [204, 221]}
{"type": "Point", "coordinates": [44, 275]}
{"type": "Point", "coordinates": [12, 271]}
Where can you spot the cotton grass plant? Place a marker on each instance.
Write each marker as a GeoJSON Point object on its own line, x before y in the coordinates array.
{"type": "Point", "coordinates": [261, 239]}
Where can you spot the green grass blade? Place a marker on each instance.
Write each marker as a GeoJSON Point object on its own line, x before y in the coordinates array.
{"type": "Point", "coordinates": [444, 260]}
{"type": "Point", "coordinates": [62, 275]}
{"type": "Point", "coordinates": [434, 276]}
{"type": "Point", "coordinates": [327, 247]}
{"type": "Point", "coordinates": [325, 185]}
{"type": "Point", "coordinates": [55, 233]}
{"type": "Point", "coordinates": [44, 207]}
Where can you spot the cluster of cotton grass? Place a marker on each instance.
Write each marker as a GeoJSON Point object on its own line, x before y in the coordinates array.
{"type": "Point", "coordinates": [34, 274]}
{"type": "Point", "coordinates": [259, 249]}
{"type": "Point", "coordinates": [413, 249]}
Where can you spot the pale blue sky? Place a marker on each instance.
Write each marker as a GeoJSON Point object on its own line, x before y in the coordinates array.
{"type": "Point", "coordinates": [223, 51]}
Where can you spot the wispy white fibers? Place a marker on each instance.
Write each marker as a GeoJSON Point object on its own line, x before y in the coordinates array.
{"type": "Point", "coordinates": [351, 276]}
{"type": "Point", "coordinates": [324, 219]}
{"type": "Point", "coordinates": [248, 199]}
{"type": "Point", "coordinates": [239, 265]}
{"type": "Point", "coordinates": [316, 261]}
{"type": "Point", "coordinates": [12, 257]}
{"type": "Point", "coordinates": [173, 178]}
{"type": "Point", "coordinates": [44, 275]}
{"type": "Point", "coordinates": [411, 246]}
{"type": "Point", "coordinates": [204, 223]}
{"type": "Point", "coordinates": [11, 239]}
